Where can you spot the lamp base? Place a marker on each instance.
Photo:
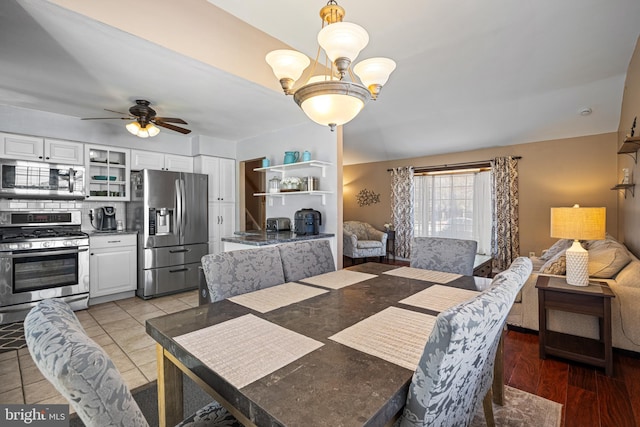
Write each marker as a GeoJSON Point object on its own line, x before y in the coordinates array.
{"type": "Point", "coordinates": [577, 265]}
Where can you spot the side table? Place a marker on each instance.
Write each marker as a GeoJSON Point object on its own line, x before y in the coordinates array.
{"type": "Point", "coordinates": [482, 266]}
{"type": "Point", "coordinates": [595, 300]}
{"type": "Point", "coordinates": [391, 244]}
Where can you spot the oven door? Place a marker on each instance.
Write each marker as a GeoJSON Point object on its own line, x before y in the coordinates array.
{"type": "Point", "coordinates": [36, 274]}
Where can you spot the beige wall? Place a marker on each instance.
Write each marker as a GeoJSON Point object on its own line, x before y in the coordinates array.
{"type": "Point", "coordinates": [552, 173]}
{"type": "Point", "coordinates": [629, 208]}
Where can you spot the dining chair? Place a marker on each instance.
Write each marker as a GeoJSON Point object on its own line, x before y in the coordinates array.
{"type": "Point", "coordinates": [443, 254]}
{"type": "Point", "coordinates": [233, 273]}
{"type": "Point", "coordinates": [305, 259]}
{"type": "Point", "coordinates": [455, 372]}
{"type": "Point", "coordinates": [85, 375]}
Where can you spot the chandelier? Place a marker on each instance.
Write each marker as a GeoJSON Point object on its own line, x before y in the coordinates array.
{"type": "Point", "coordinates": [331, 99]}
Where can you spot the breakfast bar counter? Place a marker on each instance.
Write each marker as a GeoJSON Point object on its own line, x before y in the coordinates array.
{"type": "Point", "coordinates": [247, 239]}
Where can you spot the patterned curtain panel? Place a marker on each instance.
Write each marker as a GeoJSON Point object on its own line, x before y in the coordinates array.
{"type": "Point", "coordinates": [505, 235]}
{"type": "Point", "coordinates": [402, 209]}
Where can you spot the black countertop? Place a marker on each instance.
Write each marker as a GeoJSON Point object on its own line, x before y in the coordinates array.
{"type": "Point", "coordinates": [262, 238]}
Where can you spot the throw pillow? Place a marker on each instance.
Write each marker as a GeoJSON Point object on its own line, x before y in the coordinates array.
{"type": "Point", "coordinates": [606, 261]}
{"type": "Point", "coordinates": [556, 265]}
{"type": "Point", "coordinates": [559, 246]}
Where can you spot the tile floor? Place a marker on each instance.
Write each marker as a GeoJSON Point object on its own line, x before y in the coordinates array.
{"type": "Point", "coordinates": [118, 327]}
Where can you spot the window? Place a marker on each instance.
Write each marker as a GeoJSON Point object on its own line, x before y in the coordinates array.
{"type": "Point", "coordinates": [454, 204]}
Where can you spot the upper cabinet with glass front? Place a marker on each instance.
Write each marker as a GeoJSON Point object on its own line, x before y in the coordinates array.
{"type": "Point", "coordinates": [107, 173]}
{"type": "Point", "coordinates": [34, 148]}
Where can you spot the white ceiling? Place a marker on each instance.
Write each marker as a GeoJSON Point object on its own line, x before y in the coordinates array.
{"type": "Point", "coordinates": [469, 74]}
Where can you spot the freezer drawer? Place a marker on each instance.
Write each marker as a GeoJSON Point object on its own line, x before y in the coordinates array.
{"type": "Point", "coordinates": [172, 255]}
{"type": "Point", "coordinates": [167, 280]}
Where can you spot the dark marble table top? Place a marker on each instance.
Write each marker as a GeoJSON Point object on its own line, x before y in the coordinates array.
{"type": "Point", "coordinates": [263, 238]}
{"type": "Point", "coordinates": [332, 386]}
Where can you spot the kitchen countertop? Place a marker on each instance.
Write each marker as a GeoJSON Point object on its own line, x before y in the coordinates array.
{"type": "Point", "coordinates": [262, 238]}
{"type": "Point", "coordinates": [103, 233]}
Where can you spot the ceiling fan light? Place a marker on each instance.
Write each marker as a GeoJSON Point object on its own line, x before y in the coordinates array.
{"type": "Point", "coordinates": [374, 71]}
{"type": "Point", "coordinates": [143, 133]}
{"type": "Point", "coordinates": [343, 40]}
{"type": "Point", "coordinates": [133, 127]}
{"type": "Point", "coordinates": [287, 64]}
{"type": "Point", "coordinates": [152, 129]}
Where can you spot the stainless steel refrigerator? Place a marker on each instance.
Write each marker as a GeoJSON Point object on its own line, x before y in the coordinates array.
{"type": "Point", "coordinates": [169, 212]}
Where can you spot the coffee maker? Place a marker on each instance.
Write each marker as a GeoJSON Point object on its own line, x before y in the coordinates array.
{"type": "Point", "coordinates": [307, 222]}
{"type": "Point", "coordinates": [103, 218]}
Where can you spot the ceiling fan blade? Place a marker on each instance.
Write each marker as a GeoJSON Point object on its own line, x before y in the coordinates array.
{"type": "Point", "coordinates": [171, 120]}
{"type": "Point", "coordinates": [172, 127]}
{"type": "Point", "coordinates": [106, 118]}
{"type": "Point", "coordinates": [117, 112]}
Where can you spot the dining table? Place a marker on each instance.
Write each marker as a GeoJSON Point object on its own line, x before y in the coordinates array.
{"type": "Point", "coordinates": [338, 349]}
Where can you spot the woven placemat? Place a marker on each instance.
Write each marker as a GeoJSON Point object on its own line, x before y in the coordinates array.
{"type": "Point", "coordinates": [338, 279]}
{"type": "Point", "coordinates": [247, 348]}
{"type": "Point", "coordinates": [426, 275]}
{"type": "Point", "coordinates": [439, 298]}
{"type": "Point", "coordinates": [268, 299]}
{"type": "Point", "coordinates": [394, 334]}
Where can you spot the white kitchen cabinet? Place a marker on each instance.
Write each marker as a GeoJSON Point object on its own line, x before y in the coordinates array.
{"type": "Point", "coordinates": [112, 264]}
{"type": "Point", "coordinates": [222, 177]}
{"type": "Point", "coordinates": [160, 161]}
{"type": "Point", "coordinates": [23, 147]}
{"type": "Point", "coordinates": [107, 173]}
{"type": "Point", "coordinates": [222, 223]}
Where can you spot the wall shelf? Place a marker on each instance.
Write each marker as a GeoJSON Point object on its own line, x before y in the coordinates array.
{"type": "Point", "coordinates": [630, 146]}
{"type": "Point", "coordinates": [625, 187]}
{"type": "Point", "coordinates": [284, 195]}
{"type": "Point", "coordinates": [291, 166]}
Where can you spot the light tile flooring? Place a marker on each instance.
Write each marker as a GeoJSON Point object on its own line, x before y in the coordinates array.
{"type": "Point", "coordinates": [118, 327]}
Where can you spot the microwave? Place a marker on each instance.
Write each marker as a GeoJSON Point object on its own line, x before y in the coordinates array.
{"type": "Point", "coordinates": [21, 179]}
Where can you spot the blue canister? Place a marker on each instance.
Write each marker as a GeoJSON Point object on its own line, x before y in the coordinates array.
{"type": "Point", "coordinates": [265, 163]}
{"type": "Point", "coordinates": [306, 156]}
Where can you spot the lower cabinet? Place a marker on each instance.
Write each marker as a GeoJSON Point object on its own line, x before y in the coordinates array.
{"type": "Point", "coordinates": [112, 265]}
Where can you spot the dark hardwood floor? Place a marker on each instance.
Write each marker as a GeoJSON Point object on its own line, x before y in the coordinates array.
{"type": "Point", "coordinates": [588, 396]}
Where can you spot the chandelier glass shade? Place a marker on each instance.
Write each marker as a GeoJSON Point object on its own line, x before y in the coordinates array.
{"type": "Point", "coordinates": [149, 130]}
{"type": "Point", "coordinates": [336, 97]}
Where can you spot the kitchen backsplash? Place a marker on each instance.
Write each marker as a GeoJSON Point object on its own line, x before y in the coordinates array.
{"type": "Point", "coordinates": [63, 205]}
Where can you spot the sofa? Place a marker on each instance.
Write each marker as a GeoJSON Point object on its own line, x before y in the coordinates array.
{"type": "Point", "coordinates": [609, 261]}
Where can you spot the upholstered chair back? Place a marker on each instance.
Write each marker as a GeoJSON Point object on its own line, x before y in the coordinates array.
{"type": "Point", "coordinates": [454, 372]}
{"type": "Point", "coordinates": [78, 367]}
{"type": "Point", "coordinates": [362, 230]}
{"type": "Point", "coordinates": [305, 259]}
{"type": "Point", "coordinates": [362, 240]}
{"type": "Point", "coordinates": [237, 272]}
{"type": "Point", "coordinates": [443, 254]}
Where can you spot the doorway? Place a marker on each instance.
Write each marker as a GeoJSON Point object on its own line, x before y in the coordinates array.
{"type": "Point", "coordinates": [252, 208]}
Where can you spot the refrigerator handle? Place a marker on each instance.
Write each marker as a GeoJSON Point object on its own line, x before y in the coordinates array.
{"type": "Point", "coordinates": [183, 210]}
{"type": "Point", "coordinates": [178, 216]}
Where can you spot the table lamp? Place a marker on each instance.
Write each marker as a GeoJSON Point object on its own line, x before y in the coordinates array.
{"type": "Point", "coordinates": [578, 224]}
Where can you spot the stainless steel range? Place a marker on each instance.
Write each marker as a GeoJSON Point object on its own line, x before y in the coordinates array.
{"type": "Point", "coordinates": [42, 255]}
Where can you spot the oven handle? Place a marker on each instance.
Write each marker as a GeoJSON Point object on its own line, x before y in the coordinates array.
{"type": "Point", "coordinates": [30, 254]}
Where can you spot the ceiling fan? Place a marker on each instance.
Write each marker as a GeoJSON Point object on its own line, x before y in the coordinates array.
{"type": "Point", "coordinates": [144, 117]}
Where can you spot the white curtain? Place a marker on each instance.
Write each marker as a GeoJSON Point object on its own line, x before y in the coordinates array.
{"type": "Point", "coordinates": [482, 212]}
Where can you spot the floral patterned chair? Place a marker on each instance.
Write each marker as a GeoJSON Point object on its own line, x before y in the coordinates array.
{"type": "Point", "coordinates": [361, 240]}
{"type": "Point", "coordinates": [228, 274]}
{"type": "Point", "coordinates": [443, 254]}
{"type": "Point", "coordinates": [456, 369]}
{"type": "Point", "coordinates": [85, 375]}
{"type": "Point", "coordinates": [306, 259]}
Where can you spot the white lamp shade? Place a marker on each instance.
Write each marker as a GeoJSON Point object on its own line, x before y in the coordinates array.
{"type": "Point", "coordinates": [133, 128]}
{"type": "Point", "coordinates": [343, 40]}
{"type": "Point", "coordinates": [153, 129]}
{"type": "Point", "coordinates": [332, 108]}
{"type": "Point", "coordinates": [287, 64]}
{"type": "Point", "coordinates": [374, 71]}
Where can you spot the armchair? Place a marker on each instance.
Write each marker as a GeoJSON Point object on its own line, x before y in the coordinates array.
{"type": "Point", "coordinates": [361, 240]}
